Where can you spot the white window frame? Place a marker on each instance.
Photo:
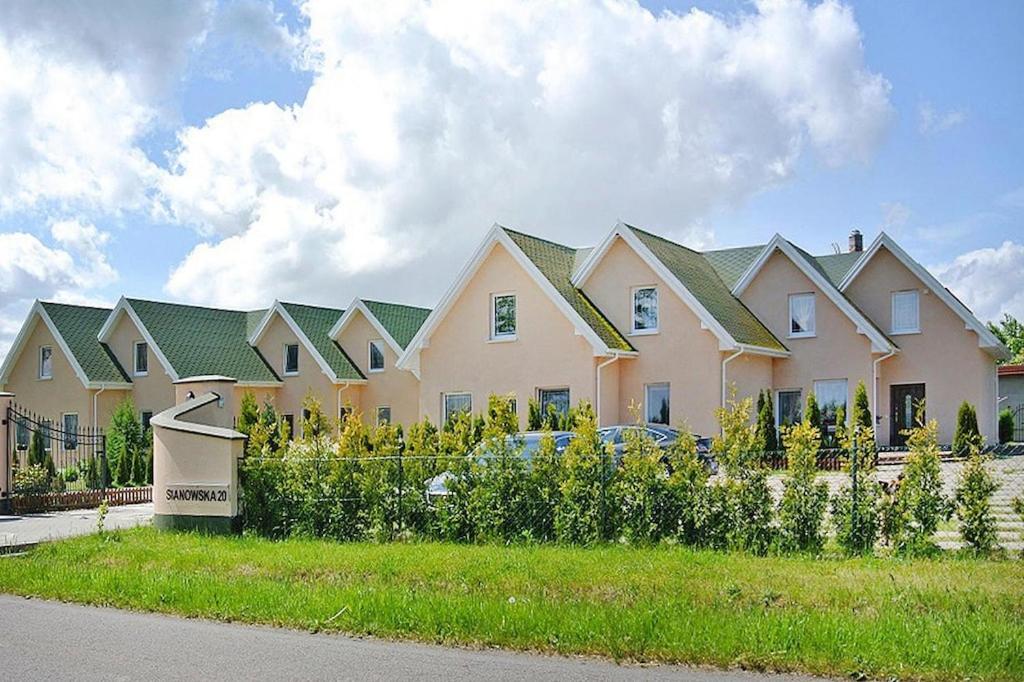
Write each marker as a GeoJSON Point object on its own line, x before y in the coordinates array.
{"type": "Point", "coordinates": [813, 331]}
{"type": "Point", "coordinates": [632, 310]}
{"type": "Point", "coordinates": [917, 312]}
{"type": "Point", "coordinates": [778, 404]}
{"type": "Point", "coordinates": [39, 373]}
{"type": "Point", "coordinates": [64, 431]}
{"type": "Point", "coordinates": [444, 403]}
{"type": "Point", "coordinates": [846, 396]}
{"type": "Point", "coordinates": [553, 389]}
{"type": "Point", "coordinates": [284, 363]}
{"type": "Point", "coordinates": [379, 343]}
{"type": "Point", "coordinates": [504, 336]}
{"type": "Point", "coordinates": [135, 359]}
{"type": "Point", "coordinates": [383, 407]}
{"type": "Point", "coordinates": [647, 401]}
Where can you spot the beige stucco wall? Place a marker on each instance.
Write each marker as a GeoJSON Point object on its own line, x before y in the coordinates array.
{"type": "Point", "coordinates": [546, 353]}
{"type": "Point", "coordinates": [837, 351]}
{"type": "Point", "coordinates": [392, 387]}
{"type": "Point", "coordinates": [181, 458]}
{"type": "Point", "coordinates": [681, 353]}
{"type": "Point", "coordinates": [289, 396]}
{"type": "Point", "coordinates": [153, 392]}
{"type": "Point", "coordinates": [945, 356]}
{"type": "Point", "coordinates": [749, 374]}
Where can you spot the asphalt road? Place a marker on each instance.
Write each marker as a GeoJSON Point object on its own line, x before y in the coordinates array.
{"type": "Point", "coordinates": [54, 641]}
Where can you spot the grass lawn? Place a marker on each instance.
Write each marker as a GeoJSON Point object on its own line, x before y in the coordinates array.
{"type": "Point", "coordinates": [929, 619]}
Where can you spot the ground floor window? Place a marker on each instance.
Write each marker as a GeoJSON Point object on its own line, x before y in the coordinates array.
{"type": "Point", "coordinates": [21, 435]}
{"type": "Point", "coordinates": [47, 430]}
{"type": "Point", "coordinates": [831, 395]}
{"type": "Point", "coordinates": [71, 431]}
{"type": "Point", "coordinates": [558, 398]}
{"type": "Point", "coordinates": [384, 414]}
{"type": "Point", "coordinates": [455, 403]}
{"type": "Point", "coordinates": [790, 408]}
{"type": "Point", "coordinates": [656, 403]}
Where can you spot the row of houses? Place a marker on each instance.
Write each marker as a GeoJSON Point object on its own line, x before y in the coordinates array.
{"type": "Point", "coordinates": [636, 320]}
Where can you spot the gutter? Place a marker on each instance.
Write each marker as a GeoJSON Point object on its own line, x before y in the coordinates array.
{"type": "Point", "coordinates": [338, 413]}
{"type": "Point", "coordinates": [95, 408]}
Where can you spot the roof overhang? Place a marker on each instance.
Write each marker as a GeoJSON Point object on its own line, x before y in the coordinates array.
{"type": "Point", "coordinates": [986, 339]}
{"type": "Point", "coordinates": [38, 312]}
{"type": "Point", "coordinates": [879, 342]}
{"type": "Point", "coordinates": [357, 306]}
{"type": "Point", "coordinates": [124, 307]}
{"type": "Point", "coordinates": [496, 236]}
{"type": "Point", "coordinates": [264, 325]}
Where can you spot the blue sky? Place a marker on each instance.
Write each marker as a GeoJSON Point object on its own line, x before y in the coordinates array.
{"type": "Point", "coordinates": [370, 204]}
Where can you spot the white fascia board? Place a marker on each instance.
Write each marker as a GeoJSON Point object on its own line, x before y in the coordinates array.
{"type": "Point", "coordinates": [986, 339]}
{"type": "Point", "coordinates": [879, 344]}
{"type": "Point", "coordinates": [38, 311]}
{"type": "Point", "coordinates": [761, 350]}
{"type": "Point", "coordinates": [623, 231]}
{"type": "Point", "coordinates": [495, 236]}
{"type": "Point", "coordinates": [357, 305]}
{"type": "Point", "coordinates": [303, 339]}
{"type": "Point", "coordinates": [123, 307]}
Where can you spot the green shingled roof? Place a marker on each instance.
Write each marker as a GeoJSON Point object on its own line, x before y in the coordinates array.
{"type": "Point", "coordinates": [202, 341]}
{"type": "Point", "coordinates": [730, 264]}
{"type": "Point", "coordinates": [557, 263]}
{"type": "Point", "coordinates": [836, 265]}
{"type": "Point", "coordinates": [401, 321]}
{"type": "Point", "coordinates": [79, 326]}
{"type": "Point", "coordinates": [700, 277]}
{"type": "Point", "coordinates": [316, 323]}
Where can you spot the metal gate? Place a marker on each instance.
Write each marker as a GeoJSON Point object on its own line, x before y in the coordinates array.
{"type": "Point", "coordinates": [1018, 424]}
{"type": "Point", "coordinates": [54, 464]}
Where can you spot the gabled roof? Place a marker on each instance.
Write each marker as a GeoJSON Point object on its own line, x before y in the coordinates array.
{"type": "Point", "coordinates": [550, 265]}
{"type": "Point", "coordinates": [986, 339]}
{"type": "Point", "coordinates": [696, 281]}
{"type": "Point", "coordinates": [311, 326]}
{"type": "Point", "coordinates": [195, 341]}
{"type": "Point", "coordinates": [817, 273]}
{"type": "Point", "coordinates": [395, 322]}
{"type": "Point", "coordinates": [74, 328]}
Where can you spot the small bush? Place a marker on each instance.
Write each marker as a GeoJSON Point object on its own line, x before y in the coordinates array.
{"type": "Point", "coordinates": [856, 520]}
{"type": "Point", "coordinates": [640, 491]}
{"type": "Point", "coordinates": [973, 497]}
{"type": "Point", "coordinates": [583, 514]}
{"type": "Point", "coordinates": [802, 508]}
{"type": "Point", "coordinates": [920, 504]}
{"type": "Point", "coordinates": [546, 477]}
{"type": "Point", "coordinates": [33, 479]}
{"type": "Point", "coordinates": [1006, 425]}
{"type": "Point", "coordinates": [767, 436]}
{"type": "Point", "coordinates": [966, 437]}
{"type": "Point", "coordinates": [812, 415]}
{"type": "Point", "coordinates": [500, 497]}
{"type": "Point", "coordinates": [686, 490]}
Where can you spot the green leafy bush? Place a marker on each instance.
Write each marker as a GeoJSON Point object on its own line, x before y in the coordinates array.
{"type": "Point", "coordinates": [640, 491]}
{"type": "Point", "coordinates": [124, 442]}
{"type": "Point", "coordinates": [802, 508]}
{"type": "Point", "coordinates": [1006, 425]}
{"type": "Point", "coordinates": [966, 437]}
{"type": "Point", "coordinates": [687, 494]}
{"type": "Point", "coordinates": [33, 479]}
{"type": "Point", "coordinates": [767, 436]}
{"type": "Point", "coordinates": [500, 498]}
{"type": "Point", "coordinates": [583, 516]}
{"type": "Point", "coordinates": [973, 498]}
{"type": "Point", "coordinates": [812, 414]}
{"type": "Point", "coordinates": [920, 504]}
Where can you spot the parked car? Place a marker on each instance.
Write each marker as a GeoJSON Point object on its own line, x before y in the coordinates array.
{"type": "Point", "coordinates": [528, 443]}
{"type": "Point", "coordinates": [663, 437]}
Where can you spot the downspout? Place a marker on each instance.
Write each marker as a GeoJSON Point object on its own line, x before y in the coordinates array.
{"type": "Point", "coordinates": [724, 363]}
{"type": "Point", "coordinates": [597, 396]}
{"type": "Point", "coordinates": [95, 409]}
{"type": "Point", "coordinates": [874, 388]}
{"type": "Point", "coordinates": [338, 412]}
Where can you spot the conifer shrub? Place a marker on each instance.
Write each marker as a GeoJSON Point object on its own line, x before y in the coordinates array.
{"type": "Point", "coordinates": [1006, 425]}
{"type": "Point", "coordinates": [583, 515]}
{"type": "Point", "coordinates": [686, 492]}
{"type": "Point", "coordinates": [973, 499]}
{"type": "Point", "coordinates": [966, 437]}
{"type": "Point", "coordinates": [804, 499]}
{"type": "Point", "coordinates": [124, 442]}
{"type": "Point", "coordinates": [766, 434]}
{"type": "Point", "coordinates": [640, 490]}
{"type": "Point", "coordinates": [919, 501]}
{"type": "Point", "coordinates": [546, 476]}
{"type": "Point", "coordinates": [500, 498]}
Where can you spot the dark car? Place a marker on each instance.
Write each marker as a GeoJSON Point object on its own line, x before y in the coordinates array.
{"type": "Point", "coordinates": [528, 444]}
{"type": "Point", "coordinates": [663, 437]}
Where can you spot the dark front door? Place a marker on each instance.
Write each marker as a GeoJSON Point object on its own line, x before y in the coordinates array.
{"type": "Point", "coordinates": [906, 402]}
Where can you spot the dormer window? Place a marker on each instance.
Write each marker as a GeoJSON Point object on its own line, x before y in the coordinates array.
{"type": "Point", "coordinates": [291, 359]}
{"type": "Point", "coordinates": [46, 362]}
{"type": "Point", "coordinates": [377, 355]}
{"type": "Point", "coordinates": [503, 316]}
{"type": "Point", "coordinates": [906, 313]}
{"type": "Point", "coordinates": [645, 310]}
{"type": "Point", "coordinates": [801, 316]}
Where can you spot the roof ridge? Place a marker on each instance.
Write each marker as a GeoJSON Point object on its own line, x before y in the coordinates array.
{"type": "Point", "coordinates": [664, 239]}
{"type": "Point", "coordinates": [77, 305]}
{"type": "Point", "coordinates": [401, 305]}
{"type": "Point", "coordinates": [310, 305]}
{"type": "Point", "coordinates": [193, 306]}
{"type": "Point", "coordinates": [542, 239]}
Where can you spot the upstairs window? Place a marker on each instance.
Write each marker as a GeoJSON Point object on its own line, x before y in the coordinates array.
{"type": "Point", "coordinates": [801, 315]}
{"type": "Point", "coordinates": [503, 316]}
{"type": "Point", "coordinates": [141, 358]}
{"type": "Point", "coordinates": [291, 359]}
{"type": "Point", "coordinates": [377, 355]}
{"type": "Point", "coordinates": [46, 362]}
{"type": "Point", "coordinates": [906, 314]}
{"type": "Point", "coordinates": [645, 310]}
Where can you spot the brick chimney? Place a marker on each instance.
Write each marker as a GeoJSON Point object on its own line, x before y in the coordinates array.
{"type": "Point", "coordinates": [856, 242]}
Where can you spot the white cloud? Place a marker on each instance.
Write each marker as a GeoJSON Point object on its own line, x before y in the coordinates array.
{"type": "Point", "coordinates": [931, 121]}
{"type": "Point", "coordinates": [895, 216]}
{"type": "Point", "coordinates": [989, 281]}
{"type": "Point", "coordinates": [426, 123]}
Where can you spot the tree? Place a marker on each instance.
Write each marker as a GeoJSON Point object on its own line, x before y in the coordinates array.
{"type": "Point", "coordinates": [1006, 425]}
{"type": "Point", "coordinates": [861, 415]}
{"type": "Point", "coordinates": [804, 499]}
{"type": "Point", "coordinates": [249, 413]}
{"type": "Point", "coordinates": [124, 441]}
{"type": "Point", "coordinates": [766, 433]}
{"type": "Point", "coordinates": [966, 438]}
{"type": "Point", "coordinates": [921, 505]}
{"type": "Point", "coordinates": [1011, 332]}
{"type": "Point", "coordinates": [812, 414]}
{"type": "Point", "coordinates": [973, 497]}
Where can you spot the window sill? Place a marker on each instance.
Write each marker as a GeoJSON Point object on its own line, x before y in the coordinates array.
{"type": "Point", "coordinates": [140, 374]}
{"type": "Point", "coordinates": [49, 378]}
{"type": "Point", "coordinates": [802, 336]}
{"type": "Point", "coordinates": [289, 374]}
{"type": "Point", "coordinates": [502, 339]}
{"type": "Point", "coordinates": [375, 371]}
{"type": "Point", "coordinates": [644, 332]}
{"type": "Point", "coordinates": [909, 332]}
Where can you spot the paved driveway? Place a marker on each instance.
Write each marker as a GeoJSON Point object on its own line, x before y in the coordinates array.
{"type": "Point", "coordinates": [31, 529]}
{"type": "Point", "coordinates": [54, 641]}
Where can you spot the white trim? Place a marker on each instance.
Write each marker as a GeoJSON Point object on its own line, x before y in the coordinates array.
{"type": "Point", "coordinates": [123, 307]}
{"type": "Point", "coordinates": [357, 305]}
{"type": "Point", "coordinates": [22, 338]}
{"type": "Point", "coordinates": [647, 388]}
{"type": "Point", "coordinates": [409, 359]}
{"type": "Point", "coordinates": [879, 344]}
{"type": "Point", "coordinates": [444, 403]}
{"type": "Point", "coordinates": [369, 356]}
{"type": "Point", "coordinates": [892, 312]}
{"type": "Point", "coordinates": [279, 309]}
{"type": "Point", "coordinates": [986, 339]}
{"type": "Point", "coordinates": [633, 331]}
{"type": "Point", "coordinates": [814, 316]}
{"type": "Point", "coordinates": [135, 359]}
{"type": "Point", "coordinates": [778, 403]}
{"type": "Point", "coordinates": [495, 336]}
{"type": "Point", "coordinates": [285, 372]}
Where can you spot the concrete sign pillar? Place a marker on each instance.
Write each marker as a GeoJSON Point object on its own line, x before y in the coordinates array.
{"type": "Point", "coordinates": [7, 433]}
{"type": "Point", "coordinates": [195, 458]}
